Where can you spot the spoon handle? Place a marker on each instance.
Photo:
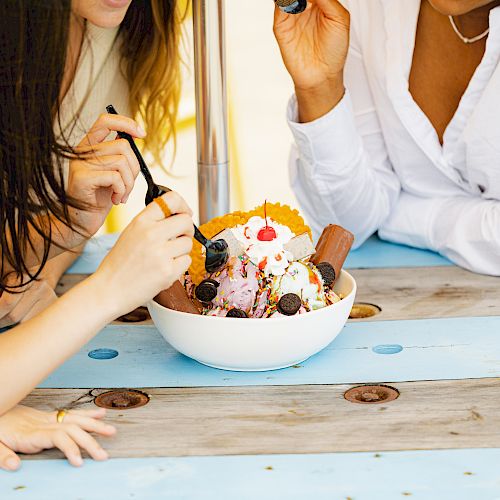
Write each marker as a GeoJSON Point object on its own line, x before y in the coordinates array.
{"type": "Point", "coordinates": [199, 236]}
{"type": "Point", "coordinates": [154, 190]}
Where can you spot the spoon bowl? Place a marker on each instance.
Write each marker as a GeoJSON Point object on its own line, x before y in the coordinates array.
{"type": "Point", "coordinates": [216, 252]}
{"type": "Point", "coordinates": [216, 256]}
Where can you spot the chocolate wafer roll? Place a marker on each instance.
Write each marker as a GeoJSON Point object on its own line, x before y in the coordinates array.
{"type": "Point", "coordinates": [176, 298]}
{"type": "Point", "coordinates": [331, 252]}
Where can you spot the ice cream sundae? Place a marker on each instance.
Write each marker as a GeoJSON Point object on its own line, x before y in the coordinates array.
{"type": "Point", "coordinates": [273, 269]}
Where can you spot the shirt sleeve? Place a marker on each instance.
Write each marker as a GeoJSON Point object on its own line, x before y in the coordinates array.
{"type": "Point", "coordinates": [466, 230]}
{"type": "Point", "coordinates": [339, 166]}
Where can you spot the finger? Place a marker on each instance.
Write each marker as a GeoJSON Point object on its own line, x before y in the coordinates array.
{"type": "Point", "coordinates": [86, 442]}
{"type": "Point", "coordinates": [181, 265]}
{"type": "Point", "coordinates": [120, 164]}
{"type": "Point", "coordinates": [176, 226]}
{"type": "Point", "coordinates": [115, 147]}
{"type": "Point", "coordinates": [281, 15]}
{"type": "Point", "coordinates": [94, 413]}
{"type": "Point", "coordinates": [8, 459]}
{"type": "Point", "coordinates": [175, 202]}
{"type": "Point", "coordinates": [68, 446]}
{"type": "Point", "coordinates": [179, 246]}
{"type": "Point", "coordinates": [90, 424]}
{"type": "Point", "coordinates": [111, 179]}
{"type": "Point", "coordinates": [107, 123]}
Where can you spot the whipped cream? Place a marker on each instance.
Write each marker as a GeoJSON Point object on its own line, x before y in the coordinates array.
{"type": "Point", "coordinates": [269, 256]}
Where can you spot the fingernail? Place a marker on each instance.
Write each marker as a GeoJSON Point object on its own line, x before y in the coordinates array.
{"type": "Point", "coordinates": [141, 131]}
{"type": "Point", "coordinates": [78, 461]}
{"type": "Point", "coordinates": [12, 463]}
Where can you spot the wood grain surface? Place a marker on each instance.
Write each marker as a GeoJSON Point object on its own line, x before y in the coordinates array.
{"type": "Point", "coordinates": [295, 419]}
{"type": "Point", "coordinates": [438, 292]}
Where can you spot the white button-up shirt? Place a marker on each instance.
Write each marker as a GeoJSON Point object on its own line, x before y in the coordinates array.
{"type": "Point", "coordinates": [375, 161]}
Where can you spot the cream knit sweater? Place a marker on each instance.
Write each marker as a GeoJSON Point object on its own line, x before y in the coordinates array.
{"type": "Point", "coordinates": [98, 82]}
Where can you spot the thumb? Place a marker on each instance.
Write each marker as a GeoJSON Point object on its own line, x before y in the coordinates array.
{"type": "Point", "coordinates": [279, 15]}
{"type": "Point", "coordinates": [8, 459]}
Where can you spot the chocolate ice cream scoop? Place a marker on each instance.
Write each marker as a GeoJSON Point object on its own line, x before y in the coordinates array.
{"type": "Point", "coordinates": [332, 248]}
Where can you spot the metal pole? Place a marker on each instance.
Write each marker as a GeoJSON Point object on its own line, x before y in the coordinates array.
{"type": "Point", "coordinates": [211, 108]}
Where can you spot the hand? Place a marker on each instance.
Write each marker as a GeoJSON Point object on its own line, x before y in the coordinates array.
{"type": "Point", "coordinates": [151, 253]}
{"type": "Point", "coordinates": [105, 174]}
{"type": "Point", "coordinates": [28, 302]}
{"type": "Point", "coordinates": [314, 48]}
{"type": "Point", "coordinates": [26, 430]}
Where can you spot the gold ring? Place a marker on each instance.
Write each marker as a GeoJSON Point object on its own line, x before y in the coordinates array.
{"type": "Point", "coordinates": [60, 415]}
{"type": "Point", "coordinates": [164, 207]}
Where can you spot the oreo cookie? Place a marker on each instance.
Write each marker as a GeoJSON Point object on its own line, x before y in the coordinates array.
{"type": "Point", "coordinates": [236, 313]}
{"type": "Point", "coordinates": [289, 304]}
{"type": "Point", "coordinates": [206, 291]}
{"type": "Point", "coordinates": [327, 272]}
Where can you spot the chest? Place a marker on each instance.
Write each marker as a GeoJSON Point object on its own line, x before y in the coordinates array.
{"type": "Point", "coordinates": [442, 68]}
{"type": "Point", "coordinates": [415, 93]}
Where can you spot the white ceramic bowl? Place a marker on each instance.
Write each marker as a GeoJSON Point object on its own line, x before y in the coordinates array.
{"type": "Point", "coordinates": [255, 344]}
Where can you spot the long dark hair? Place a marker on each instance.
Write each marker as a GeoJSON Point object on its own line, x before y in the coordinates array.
{"type": "Point", "coordinates": [33, 46]}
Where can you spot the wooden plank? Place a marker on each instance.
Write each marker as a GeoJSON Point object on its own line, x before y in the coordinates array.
{"type": "Point", "coordinates": [438, 292]}
{"type": "Point", "coordinates": [432, 349]}
{"type": "Point", "coordinates": [443, 475]}
{"type": "Point", "coordinates": [296, 419]}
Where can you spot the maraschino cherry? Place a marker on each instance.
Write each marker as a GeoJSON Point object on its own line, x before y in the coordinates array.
{"type": "Point", "coordinates": [267, 233]}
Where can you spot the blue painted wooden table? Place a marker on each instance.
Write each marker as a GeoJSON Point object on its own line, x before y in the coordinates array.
{"type": "Point", "coordinates": [304, 438]}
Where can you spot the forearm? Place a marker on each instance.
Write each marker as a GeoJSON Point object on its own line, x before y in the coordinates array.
{"type": "Point", "coordinates": [32, 350]}
{"type": "Point", "coordinates": [337, 176]}
{"type": "Point", "coordinates": [464, 229]}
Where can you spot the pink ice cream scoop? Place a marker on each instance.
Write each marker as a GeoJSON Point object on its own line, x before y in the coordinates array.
{"type": "Point", "coordinates": [239, 286]}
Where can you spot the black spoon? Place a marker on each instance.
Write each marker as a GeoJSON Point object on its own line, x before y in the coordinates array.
{"type": "Point", "coordinates": [217, 252]}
